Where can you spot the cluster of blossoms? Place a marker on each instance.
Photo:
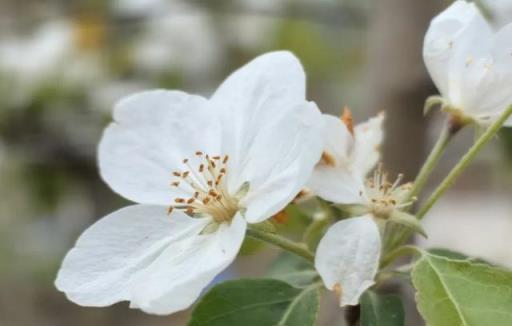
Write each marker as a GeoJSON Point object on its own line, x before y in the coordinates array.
{"type": "Point", "coordinates": [202, 171]}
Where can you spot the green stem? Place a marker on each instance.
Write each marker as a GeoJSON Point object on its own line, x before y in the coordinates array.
{"type": "Point", "coordinates": [426, 170]}
{"type": "Point", "coordinates": [299, 249]}
{"type": "Point", "coordinates": [404, 250]}
{"type": "Point", "coordinates": [464, 162]}
{"type": "Point", "coordinates": [456, 171]}
{"type": "Point", "coordinates": [449, 130]}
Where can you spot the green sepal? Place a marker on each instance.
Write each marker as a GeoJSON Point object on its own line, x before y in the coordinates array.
{"type": "Point", "coordinates": [407, 220]}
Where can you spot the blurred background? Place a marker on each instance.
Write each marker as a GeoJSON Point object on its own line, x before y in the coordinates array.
{"type": "Point", "coordinates": [63, 64]}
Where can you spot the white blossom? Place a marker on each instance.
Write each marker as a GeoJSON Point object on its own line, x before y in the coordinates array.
{"type": "Point", "coordinates": [347, 257]}
{"type": "Point", "coordinates": [200, 170]}
{"type": "Point", "coordinates": [470, 63]}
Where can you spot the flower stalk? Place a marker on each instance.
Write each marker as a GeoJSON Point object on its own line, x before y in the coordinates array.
{"type": "Point", "coordinates": [455, 172]}
{"type": "Point", "coordinates": [465, 161]}
{"type": "Point", "coordinates": [299, 249]}
{"type": "Point", "coordinates": [435, 155]}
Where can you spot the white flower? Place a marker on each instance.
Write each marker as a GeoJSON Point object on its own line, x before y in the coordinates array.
{"type": "Point", "coordinates": [217, 164]}
{"type": "Point", "coordinates": [347, 257]}
{"type": "Point", "coordinates": [470, 64]}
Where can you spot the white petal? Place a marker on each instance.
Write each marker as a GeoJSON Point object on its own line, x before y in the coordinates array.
{"type": "Point", "coordinates": [124, 257]}
{"type": "Point", "coordinates": [271, 133]}
{"type": "Point", "coordinates": [178, 276]}
{"type": "Point", "coordinates": [454, 36]}
{"type": "Point", "coordinates": [338, 141]}
{"type": "Point", "coordinates": [347, 257]}
{"type": "Point", "coordinates": [337, 185]}
{"type": "Point", "coordinates": [100, 268]}
{"type": "Point", "coordinates": [254, 94]}
{"type": "Point", "coordinates": [281, 160]}
{"type": "Point", "coordinates": [488, 80]}
{"type": "Point", "coordinates": [369, 136]}
{"type": "Point", "coordinates": [151, 134]}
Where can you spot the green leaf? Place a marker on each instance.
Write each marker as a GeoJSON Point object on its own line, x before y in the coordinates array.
{"type": "Point", "coordinates": [447, 253]}
{"type": "Point", "coordinates": [461, 292]}
{"type": "Point", "coordinates": [255, 303]}
{"type": "Point", "coordinates": [381, 310]}
{"type": "Point", "coordinates": [454, 255]}
{"type": "Point", "coordinates": [293, 270]}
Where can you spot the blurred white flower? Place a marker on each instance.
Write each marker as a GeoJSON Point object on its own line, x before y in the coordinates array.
{"type": "Point", "coordinates": [500, 10]}
{"type": "Point", "coordinates": [470, 64]}
{"type": "Point", "coordinates": [178, 37]}
{"type": "Point", "coordinates": [213, 165]}
{"type": "Point", "coordinates": [50, 55]}
{"type": "Point", "coordinates": [27, 62]}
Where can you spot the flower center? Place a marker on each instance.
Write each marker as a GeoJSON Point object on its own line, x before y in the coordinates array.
{"type": "Point", "coordinates": [205, 184]}
{"type": "Point", "coordinates": [385, 196]}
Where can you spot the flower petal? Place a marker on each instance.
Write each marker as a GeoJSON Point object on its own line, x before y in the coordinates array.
{"type": "Point", "coordinates": [340, 179]}
{"type": "Point", "coordinates": [491, 76]}
{"type": "Point", "coordinates": [271, 133]}
{"type": "Point", "coordinates": [151, 134]}
{"type": "Point", "coordinates": [347, 257]}
{"type": "Point", "coordinates": [281, 160]}
{"type": "Point", "coordinates": [178, 276]}
{"type": "Point", "coordinates": [368, 136]}
{"type": "Point", "coordinates": [337, 185]}
{"type": "Point", "coordinates": [140, 254]}
{"type": "Point", "coordinates": [339, 142]}
{"type": "Point", "coordinates": [454, 36]}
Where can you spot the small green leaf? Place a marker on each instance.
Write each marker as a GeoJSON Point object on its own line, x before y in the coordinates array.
{"type": "Point", "coordinates": [257, 303]}
{"type": "Point", "coordinates": [293, 270]}
{"type": "Point", "coordinates": [381, 310]}
{"type": "Point", "coordinates": [407, 220]}
{"type": "Point", "coordinates": [460, 292]}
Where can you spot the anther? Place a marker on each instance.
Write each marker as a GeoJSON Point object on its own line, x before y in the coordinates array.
{"type": "Point", "coordinates": [169, 210]}
{"type": "Point", "coordinates": [179, 200]}
{"type": "Point", "coordinates": [225, 160]}
{"type": "Point", "coordinates": [175, 184]}
{"type": "Point", "coordinates": [199, 153]}
{"type": "Point", "coordinates": [185, 174]}
{"type": "Point", "coordinates": [191, 200]}
{"type": "Point", "coordinates": [201, 168]}
{"type": "Point", "coordinates": [216, 158]}
{"type": "Point", "coordinates": [176, 174]}
{"type": "Point", "coordinates": [185, 161]}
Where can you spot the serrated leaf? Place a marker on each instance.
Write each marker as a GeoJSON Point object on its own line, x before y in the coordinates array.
{"type": "Point", "coordinates": [381, 310]}
{"type": "Point", "coordinates": [450, 254]}
{"type": "Point", "coordinates": [293, 270]}
{"type": "Point", "coordinates": [256, 303]}
{"type": "Point", "coordinates": [461, 292]}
